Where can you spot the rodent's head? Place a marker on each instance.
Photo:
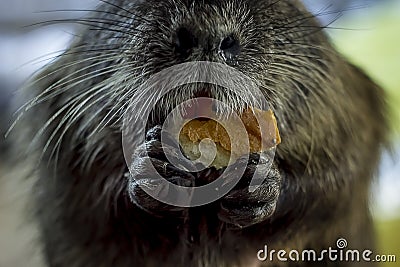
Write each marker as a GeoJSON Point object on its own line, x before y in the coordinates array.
{"type": "Point", "coordinates": [278, 44]}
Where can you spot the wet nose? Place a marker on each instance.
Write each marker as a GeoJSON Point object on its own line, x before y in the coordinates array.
{"type": "Point", "coordinates": [229, 48]}
{"type": "Point", "coordinates": [186, 41]}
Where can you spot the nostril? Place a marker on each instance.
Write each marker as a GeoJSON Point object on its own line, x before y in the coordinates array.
{"type": "Point", "coordinates": [185, 41]}
{"type": "Point", "coordinates": [230, 47]}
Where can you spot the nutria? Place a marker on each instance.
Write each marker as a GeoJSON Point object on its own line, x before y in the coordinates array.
{"type": "Point", "coordinates": [331, 117]}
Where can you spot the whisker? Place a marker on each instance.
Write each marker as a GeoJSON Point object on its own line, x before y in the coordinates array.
{"type": "Point", "coordinates": [96, 24]}
{"type": "Point", "coordinates": [83, 10]}
{"type": "Point", "coordinates": [125, 10]}
{"type": "Point", "coordinates": [95, 49]}
{"type": "Point", "coordinates": [285, 54]}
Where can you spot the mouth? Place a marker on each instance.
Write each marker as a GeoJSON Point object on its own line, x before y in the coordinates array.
{"type": "Point", "coordinates": [198, 104]}
{"type": "Point", "coordinates": [205, 93]}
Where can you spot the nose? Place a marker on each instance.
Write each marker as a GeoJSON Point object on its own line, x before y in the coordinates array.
{"type": "Point", "coordinates": [229, 48]}
{"type": "Point", "coordinates": [186, 41]}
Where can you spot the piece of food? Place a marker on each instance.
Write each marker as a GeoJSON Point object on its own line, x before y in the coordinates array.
{"type": "Point", "coordinates": [216, 138]}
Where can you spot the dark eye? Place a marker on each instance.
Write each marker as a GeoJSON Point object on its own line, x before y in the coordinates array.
{"type": "Point", "coordinates": [185, 41]}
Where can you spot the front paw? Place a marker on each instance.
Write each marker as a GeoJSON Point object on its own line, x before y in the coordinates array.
{"type": "Point", "coordinates": [149, 171]}
{"type": "Point", "coordinates": [243, 206]}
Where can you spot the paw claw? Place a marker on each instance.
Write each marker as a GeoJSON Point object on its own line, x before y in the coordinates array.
{"type": "Point", "coordinates": [242, 207]}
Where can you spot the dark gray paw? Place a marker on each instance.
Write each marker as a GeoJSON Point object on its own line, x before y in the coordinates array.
{"type": "Point", "coordinates": [242, 207]}
{"type": "Point", "coordinates": [150, 167]}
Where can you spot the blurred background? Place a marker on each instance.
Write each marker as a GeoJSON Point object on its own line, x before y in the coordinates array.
{"type": "Point", "coordinates": [366, 32]}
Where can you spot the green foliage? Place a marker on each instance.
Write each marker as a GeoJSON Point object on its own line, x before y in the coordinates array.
{"type": "Point", "coordinates": [376, 48]}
